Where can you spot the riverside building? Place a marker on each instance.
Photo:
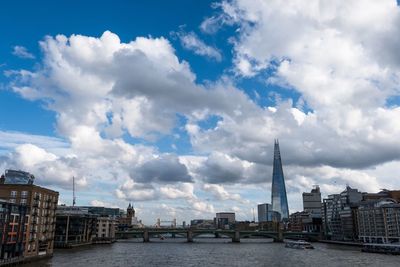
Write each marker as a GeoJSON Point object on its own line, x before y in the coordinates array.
{"type": "Point", "coordinates": [105, 230]}
{"type": "Point", "coordinates": [340, 214]}
{"type": "Point", "coordinates": [225, 220]}
{"type": "Point", "coordinates": [40, 205]}
{"type": "Point", "coordinates": [379, 221]}
{"type": "Point", "coordinates": [13, 231]}
{"type": "Point", "coordinates": [74, 227]}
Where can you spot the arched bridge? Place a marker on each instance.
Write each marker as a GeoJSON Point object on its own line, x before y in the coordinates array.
{"type": "Point", "coordinates": [190, 234]}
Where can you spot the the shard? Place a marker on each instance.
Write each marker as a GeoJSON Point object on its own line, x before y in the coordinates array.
{"type": "Point", "coordinates": [278, 196]}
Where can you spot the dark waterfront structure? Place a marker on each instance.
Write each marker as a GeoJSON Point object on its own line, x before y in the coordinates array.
{"type": "Point", "coordinates": [278, 196]}
{"type": "Point", "coordinates": [74, 227]}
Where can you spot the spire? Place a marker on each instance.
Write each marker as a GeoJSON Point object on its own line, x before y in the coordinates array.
{"type": "Point", "coordinates": [278, 195]}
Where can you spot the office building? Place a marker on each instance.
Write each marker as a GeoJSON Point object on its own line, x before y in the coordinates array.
{"type": "Point", "coordinates": [379, 221]}
{"type": "Point", "coordinates": [340, 214]}
{"type": "Point", "coordinates": [74, 227]}
{"type": "Point", "coordinates": [266, 214]}
{"type": "Point", "coordinates": [312, 202]}
{"type": "Point", "coordinates": [103, 211]}
{"type": "Point", "coordinates": [225, 220]}
{"type": "Point", "coordinates": [105, 230]}
{"type": "Point", "coordinates": [278, 196]}
{"type": "Point", "coordinates": [41, 204]}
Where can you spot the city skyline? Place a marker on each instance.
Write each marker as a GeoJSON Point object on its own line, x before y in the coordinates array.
{"type": "Point", "coordinates": [173, 106]}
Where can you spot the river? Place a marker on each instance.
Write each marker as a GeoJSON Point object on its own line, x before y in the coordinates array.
{"type": "Point", "coordinates": [213, 252]}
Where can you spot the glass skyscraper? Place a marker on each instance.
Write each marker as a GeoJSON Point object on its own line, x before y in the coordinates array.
{"type": "Point", "coordinates": [278, 196]}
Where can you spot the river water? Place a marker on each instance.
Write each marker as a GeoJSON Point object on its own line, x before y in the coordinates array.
{"type": "Point", "coordinates": [213, 252]}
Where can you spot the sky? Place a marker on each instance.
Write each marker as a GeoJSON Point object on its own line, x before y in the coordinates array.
{"type": "Point", "coordinates": [174, 106]}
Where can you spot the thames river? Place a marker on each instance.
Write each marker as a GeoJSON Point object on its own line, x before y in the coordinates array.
{"type": "Point", "coordinates": [214, 252]}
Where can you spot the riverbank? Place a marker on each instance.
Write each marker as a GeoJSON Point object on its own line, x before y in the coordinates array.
{"type": "Point", "coordinates": [354, 244]}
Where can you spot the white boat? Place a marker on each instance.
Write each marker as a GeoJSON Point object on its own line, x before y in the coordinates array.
{"type": "Point", "coordinates": [299, 244]}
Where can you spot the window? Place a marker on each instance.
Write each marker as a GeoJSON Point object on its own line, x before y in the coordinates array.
{"type": "Point", "coordinates": [23, 201]}
{"type": "Point", "coordinates": [13, 193]}
{"type": "Point", "coordinates": [24, 194]}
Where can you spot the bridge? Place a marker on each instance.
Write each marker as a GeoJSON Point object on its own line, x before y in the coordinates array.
{"type": "Point", "coordinates": [191, 233]}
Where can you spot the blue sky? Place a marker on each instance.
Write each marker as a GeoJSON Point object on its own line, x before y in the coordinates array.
{"type": "Point", "coordinates": [174, 105]}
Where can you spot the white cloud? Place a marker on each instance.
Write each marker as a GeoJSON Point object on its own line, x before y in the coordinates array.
{"type": "Point", "coordinates": [192, 42]}
{"type": "Point", "coordinates": [103, 89]}
{"type": "Point", "coordinates": [22, 52]}
{"type": "Point", "coordinates": [221, 194]}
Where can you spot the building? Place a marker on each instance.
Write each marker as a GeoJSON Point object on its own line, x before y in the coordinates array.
{"type": "Point", "coordinates": [297, 221]}
{"type": "Point", "coordinates": [393, 194]}
{"type": "Point", "coordinates": [105, 230]}
{"type": "Point", "coordinates": [202, 224]}
{"type": "Point", "coordinates": [129, 220]}
{"type": "Point", "coordinates": [225, 220]}
{"type": "Point", "coordinates": [278, 196]}
{"type": "Point", "coordinates": [340, 214]}
{"type": "Point", "coordinates": [13, 230]}
{"type": "Point", "coordinates": [266, 214]}
{"type": "Point", "coordinates": [74, 227]}
{"type": "Point", "coordinates": [16, 177]}
{"type": "Point", "coordinates": [379, 221]}
{"type": "Point", "coordinates": [312, 202]}
{"type": "Point", "coordinates": [41, 204]}
{"type": "Point", "coordinates": [102, 211]}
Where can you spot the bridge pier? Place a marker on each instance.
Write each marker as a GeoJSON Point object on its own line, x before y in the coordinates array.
{"type": "Point", "coordinates": [236, 237]}
{"type": "Point", "coordinates": [279, 237]}
{"type": "Point", "coordinates": [189, 236]}
{"type": "Point", "coordinates": [146, 236]}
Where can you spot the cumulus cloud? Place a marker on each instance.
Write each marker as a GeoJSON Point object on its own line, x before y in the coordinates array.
{"type": "Point", "coordinates": [22, 52]}
{"type": "Point", "coordinates": [166, 169]}
{"type": "Point", "coordinates": [221, 194]}
{"type": "Point", "coordinates": [337, 129]}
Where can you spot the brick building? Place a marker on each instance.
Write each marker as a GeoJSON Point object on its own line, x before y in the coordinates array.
{"type": "Point", "coordinates": [40, 205]}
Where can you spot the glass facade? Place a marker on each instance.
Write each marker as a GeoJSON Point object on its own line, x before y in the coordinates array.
{"type": "Point", "coordinates": [266, 214]}
{"type": "Point", "coordinates": [18, 177]}
{"type": "Point", "coordinates": [278, 196]}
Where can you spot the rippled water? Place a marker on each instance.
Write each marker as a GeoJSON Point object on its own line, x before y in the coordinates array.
{"type": "Point", "coordinates": [214, 252]}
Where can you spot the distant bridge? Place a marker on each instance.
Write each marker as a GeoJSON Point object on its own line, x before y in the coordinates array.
{"type": "Point", "coordinates": [191, 233]}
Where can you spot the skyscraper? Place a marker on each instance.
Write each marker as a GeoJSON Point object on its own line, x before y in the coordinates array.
{"type": "Point", "coordinates": [278, 196]}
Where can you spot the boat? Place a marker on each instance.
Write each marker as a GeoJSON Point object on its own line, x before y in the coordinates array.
{"type": "Point", "coordinates": [393, 248]}
{"type": "Point", "coordinates": [299, 244]}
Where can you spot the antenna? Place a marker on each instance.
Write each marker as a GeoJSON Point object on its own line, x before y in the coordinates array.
{"type": "Point", "coordinates": [73, 191]}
